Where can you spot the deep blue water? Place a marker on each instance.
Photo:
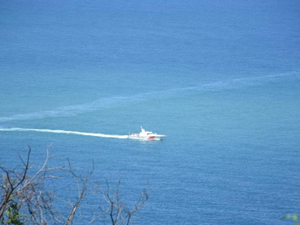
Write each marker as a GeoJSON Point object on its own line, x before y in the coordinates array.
{"type": "Point", "coordinates": [220, 79]}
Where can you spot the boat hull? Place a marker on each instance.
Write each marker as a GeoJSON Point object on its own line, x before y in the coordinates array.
{"type": "Point", "coordinates": [150, 138]}
{"type": "Point", "coordinates": [146, 136]}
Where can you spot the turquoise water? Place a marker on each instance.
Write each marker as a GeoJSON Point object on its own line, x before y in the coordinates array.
{"type": "Point", "coordinates": [221, 80]}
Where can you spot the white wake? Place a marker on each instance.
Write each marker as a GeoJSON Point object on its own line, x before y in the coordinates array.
{"type": "Point", "coordinates": [63, 132]}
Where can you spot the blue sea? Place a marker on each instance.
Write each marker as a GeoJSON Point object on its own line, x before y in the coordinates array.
{"type": "Point", "coordinates": [221, 79]}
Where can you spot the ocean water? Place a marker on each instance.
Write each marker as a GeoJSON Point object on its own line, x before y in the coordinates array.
{"type": "Point", "coordinates": [220, 79]}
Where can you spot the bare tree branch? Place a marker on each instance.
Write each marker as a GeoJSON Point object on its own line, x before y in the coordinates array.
{"type": "Point", "coordinates": [81, 183]}
{"type": "Point", "coordinates": [115, 207]}
{"type": "Point", "coordinates": [33, 197]}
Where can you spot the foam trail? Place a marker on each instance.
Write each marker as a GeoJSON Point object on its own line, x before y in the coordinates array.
{"type": "Point", "coordinates": [103, 103]}
{"type": "Point", "coordinates": [63, 132]}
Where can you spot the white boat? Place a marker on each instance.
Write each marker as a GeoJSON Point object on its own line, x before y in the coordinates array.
{"type": "Point", "coordinates": [146, 135]}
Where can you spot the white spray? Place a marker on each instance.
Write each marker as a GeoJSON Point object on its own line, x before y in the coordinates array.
{"type": "Point", "coordinates": [64, 132]}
